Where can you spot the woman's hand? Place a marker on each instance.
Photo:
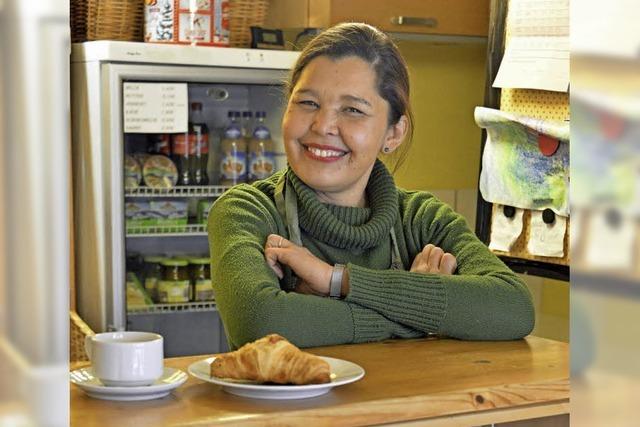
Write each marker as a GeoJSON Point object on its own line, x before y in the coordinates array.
{"type": "Point", "coordinates": [314, 274]}
{"type": "Point", "coordinates": [432, 259]}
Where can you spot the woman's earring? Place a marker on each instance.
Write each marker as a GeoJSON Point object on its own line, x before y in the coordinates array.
{"type": "Point", "coordinates": [386, 149]}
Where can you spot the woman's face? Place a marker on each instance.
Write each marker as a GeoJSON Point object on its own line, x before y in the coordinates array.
{"type": "Point", "coordinates": [335, 125]}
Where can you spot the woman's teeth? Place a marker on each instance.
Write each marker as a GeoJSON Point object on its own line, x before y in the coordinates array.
{"type": "Point", "coordinates": [325, 153]}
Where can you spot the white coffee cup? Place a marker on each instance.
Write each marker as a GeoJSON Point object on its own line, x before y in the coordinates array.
{"type": "Point", "coordinates": [126, 359]}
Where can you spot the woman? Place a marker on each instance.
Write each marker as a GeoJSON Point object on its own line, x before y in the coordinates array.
{"type": "Point", "coordinates": [330, 251]}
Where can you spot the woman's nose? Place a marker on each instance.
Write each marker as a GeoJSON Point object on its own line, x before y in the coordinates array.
{"type": "Point", "coordinates": [325, 122]}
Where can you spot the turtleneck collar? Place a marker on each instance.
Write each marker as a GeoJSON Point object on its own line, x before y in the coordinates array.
{"type": "Point", "coordinates": [349, 227]}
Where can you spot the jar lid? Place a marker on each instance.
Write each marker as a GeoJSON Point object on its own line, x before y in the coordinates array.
{"type": "Point", "coordinates": [175, 262]}
{"type": "Point", "coordinates": [154, 258]}
{"type": "Point", "coordinates": [199, 260]}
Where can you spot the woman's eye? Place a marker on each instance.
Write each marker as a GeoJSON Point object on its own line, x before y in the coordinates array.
{"type": "Point", "coordinates": [353, 110]}
{"type": "Point", "coordinates": [308, 103]}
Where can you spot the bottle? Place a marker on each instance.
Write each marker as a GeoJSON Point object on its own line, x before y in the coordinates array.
{"type": "Point", "coordinates": [233, 167]}
{"type": "Point", "coordinates": [182, 153]}
{"type": "Point", "coordinates": [262, 161]}
{"type": "Point", "coordinates": [199, 133]}
{"type": "Point", "coordinates": [245, 125]}
{"type": "Point", "coordinates": [159, 143]}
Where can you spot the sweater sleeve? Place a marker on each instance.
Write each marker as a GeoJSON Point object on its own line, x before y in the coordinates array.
{"type": "Point", "coordinates": [484, 300]}
{"type": "Point", "coordinates": [248, 294]}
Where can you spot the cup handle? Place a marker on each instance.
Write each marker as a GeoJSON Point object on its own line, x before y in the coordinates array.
{"type": "Point", "coordinates": [88, 341]}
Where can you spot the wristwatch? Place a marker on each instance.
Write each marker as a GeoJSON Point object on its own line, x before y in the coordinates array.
{"type": "Point", "coordinates": [335, 286]}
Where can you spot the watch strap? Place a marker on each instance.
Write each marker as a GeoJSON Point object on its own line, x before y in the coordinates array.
{"type": "Point", "coordinates": [335, 286]}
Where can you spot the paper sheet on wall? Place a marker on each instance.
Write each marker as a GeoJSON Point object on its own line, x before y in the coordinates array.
{"type": "Point", "coordinates": [546, 239]}
{"type": "Point", "coordinates": [514, 171]}
{"type": "Point", "coordinates": [505, 231]}
{"type": "Point", "coordinates": [537, 51]}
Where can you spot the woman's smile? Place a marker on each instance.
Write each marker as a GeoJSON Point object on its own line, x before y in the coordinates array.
{"type": "Point", "coordinates": [324, 153]}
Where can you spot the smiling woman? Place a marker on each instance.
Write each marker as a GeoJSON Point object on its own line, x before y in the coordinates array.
{"type": "Point", "coordinates": [329, 250]}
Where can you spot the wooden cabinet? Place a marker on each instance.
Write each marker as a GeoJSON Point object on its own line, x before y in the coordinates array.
{"type": "Point", "coordinates": [445, 17]}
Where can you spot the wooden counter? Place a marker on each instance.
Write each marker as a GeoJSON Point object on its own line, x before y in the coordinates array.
{"type": "Point", "coordinates": [446, 382]}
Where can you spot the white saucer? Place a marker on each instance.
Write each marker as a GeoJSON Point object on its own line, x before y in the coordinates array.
{"type": "Point", "coordinates": [171, 378]}
{"type": "Point", "coordinates": [342, 372]}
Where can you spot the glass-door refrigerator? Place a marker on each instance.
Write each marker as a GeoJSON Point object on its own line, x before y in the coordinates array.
{"type": "Point", "coordinates": [149, 124]}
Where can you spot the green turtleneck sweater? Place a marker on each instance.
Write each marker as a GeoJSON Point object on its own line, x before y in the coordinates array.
{"type": "Point", "coordinates": [484, 300]}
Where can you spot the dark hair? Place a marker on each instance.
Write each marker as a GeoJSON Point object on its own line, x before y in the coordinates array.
{"type": "Point", "coordinates": [374, 47]}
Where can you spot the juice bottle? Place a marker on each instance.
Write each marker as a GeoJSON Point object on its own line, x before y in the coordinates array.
{"type": "Point", "coordinates": [233, 167]}
{"type": "Point", "coordinates": [261, 157]}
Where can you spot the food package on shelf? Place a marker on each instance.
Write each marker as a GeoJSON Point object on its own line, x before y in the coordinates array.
{"type": "Point", "coordinates": [137, 214]}
{"type": "Point", "coordinates": [169, 212]}
{"type": "Point", "coordinates": [136, 294]}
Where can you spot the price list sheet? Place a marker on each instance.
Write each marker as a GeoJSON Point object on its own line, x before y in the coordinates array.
{"type": "Point", "coordinates": [155, 107]}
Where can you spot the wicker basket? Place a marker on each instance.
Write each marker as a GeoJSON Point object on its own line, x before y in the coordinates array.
{"type": "Point", "coordinates": [245, 14]}
{"type": "Point", "coordinates": [78, 330]}
{"type": "Point", "coordinates": [107, 20]}
{"type": "Point", "coordinates": [78, 20]}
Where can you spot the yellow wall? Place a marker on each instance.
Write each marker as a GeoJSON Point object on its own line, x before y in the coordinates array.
{"type": "Point", "coordinates": [551, 300]}
{"type": "Point", "coordinates": [447, 83]}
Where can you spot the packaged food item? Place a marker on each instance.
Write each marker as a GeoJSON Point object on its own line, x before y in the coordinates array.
{"type": "Point", "coordinates": [262, 160]}
{"type": "Point", "coordinates": [175, 286]}
{"type": "Point", "coordinates": [136, 214]}
{"type": "Point", "coordinates": [141, 158]}
{"type": "Point", "coordinates": [169, 212]}
{"type": "Point", "coordinates": [159, 172]}
{"type": "Point", "coordinates": [132, 172]}
{"type": "Point", "coordinates": [194, 22]}
{"type": "Point", "coordinates": [233, 164]}
{"type": "Point", "coordinates": [203, 208]}
{"type": "Point", "coordinates": [152, 275]}
{"type": "Point", "coordinates": [136, 295]}
{"type": "Point", "coordinates": [201, 277]}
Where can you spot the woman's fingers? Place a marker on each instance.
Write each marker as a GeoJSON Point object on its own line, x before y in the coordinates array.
{"type": "Point", "coordinates": [448, 264]}
{"type": "Point", "coordinates": [435, 255]}
{"type": "Point", "coordinates": [421, 261]}
{"type": "Point", "coordinates": [417, 262]}
{"type": "Point", "coordinates": [271, 255]}
{"type": "Point", "coordinates": [433, 259]}
{"type": "Point", "coordinates": [276, 241]}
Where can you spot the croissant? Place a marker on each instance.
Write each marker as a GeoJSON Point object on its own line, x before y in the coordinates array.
{"type": "Point", "coordinates": [272, 359]}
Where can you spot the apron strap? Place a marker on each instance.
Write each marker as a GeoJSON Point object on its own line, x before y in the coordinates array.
{"type": "Point", "coordinates": [288, 209]}
{"type": "Point", "coordinates": [396, 260]}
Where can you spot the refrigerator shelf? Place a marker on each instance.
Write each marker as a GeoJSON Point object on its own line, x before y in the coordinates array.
{"type": "Point", "coordinates": [190, 191]}
{"type": "Point", "coordinates": [168, 231]}
{"type": "Point", "coordinates": [172, 308]}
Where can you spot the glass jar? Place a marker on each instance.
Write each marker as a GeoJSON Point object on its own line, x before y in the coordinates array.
{"type": "Point", "coordinates": [152, 275]}
{"type": "Point", "coordinates": [201, 276]}
{"type": "Point", "coordinates": [175, 284]}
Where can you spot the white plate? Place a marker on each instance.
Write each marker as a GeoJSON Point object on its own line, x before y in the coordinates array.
{"type": "Point", "coordinates": [342, 372]}
{"type": "Point", "coordinates": [171, 378]}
